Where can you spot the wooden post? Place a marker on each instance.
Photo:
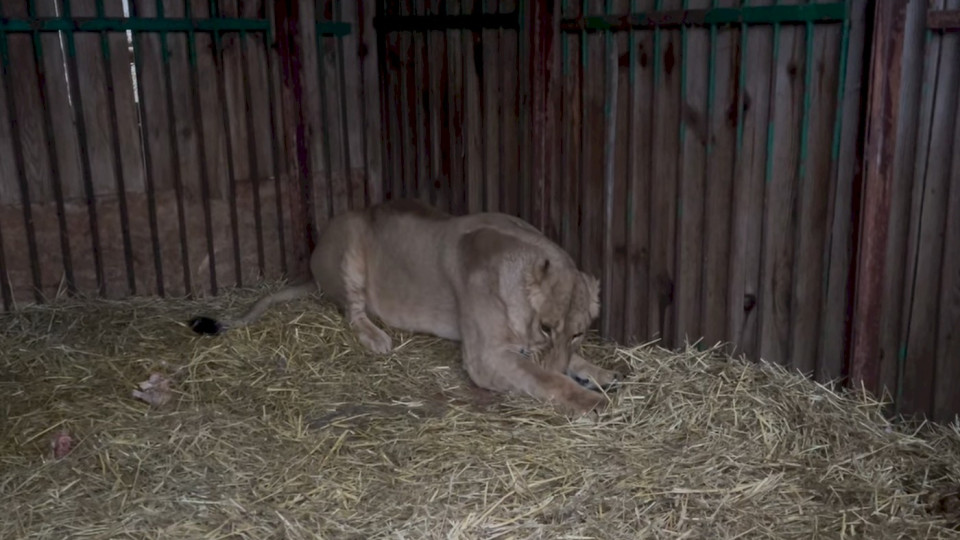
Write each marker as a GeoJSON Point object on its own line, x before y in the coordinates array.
{"type": "Point", "coordinates": [543, 31]}
{"type": "Point", "coordinates": [883, 102]}
{"type": "Point", "coordinates": [295, 135]}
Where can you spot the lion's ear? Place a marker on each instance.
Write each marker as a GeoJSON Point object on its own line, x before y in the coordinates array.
{"type": "Point", "coordinates": [540, 271]}
{"type": "Point", "coordinates": [535, 278]}
{"type": "Point", "coordinates": [593, 291]}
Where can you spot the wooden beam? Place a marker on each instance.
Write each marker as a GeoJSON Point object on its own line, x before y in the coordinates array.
{"type": "Point", "coordinates": [944, 19]}
{"type": "Point", "coordinates": [883, 101]}
{"type": "Point", "coordinates": [543, 31]}
{"type": "Point", "coordinates": [289, 46]}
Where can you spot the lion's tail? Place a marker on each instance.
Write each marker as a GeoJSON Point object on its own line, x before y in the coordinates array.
{"type": "Point", "coordinates": [207, 325]}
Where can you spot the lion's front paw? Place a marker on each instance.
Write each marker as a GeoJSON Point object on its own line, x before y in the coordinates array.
{"type": "Point", "coordinates": [374, 339]}
{"type": "Point", "coordinates": [597, 378]}
{"type": "Point", "coordinates": [584, 401]}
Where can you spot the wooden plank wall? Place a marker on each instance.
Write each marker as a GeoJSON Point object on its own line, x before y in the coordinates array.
{"type": "Point", "coordinates": [919, 365]}
{"type": "Point", "coordinates": [179, 184]}
{"type": "Point", "coordinates": [720, 221]}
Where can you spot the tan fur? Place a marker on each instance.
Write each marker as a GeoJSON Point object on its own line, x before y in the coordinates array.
{"type": "Point", "coordinates": [514, 299]}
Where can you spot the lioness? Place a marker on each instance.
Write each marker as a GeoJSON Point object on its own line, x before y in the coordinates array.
{"type": "Point", "coordinates": [515, 300]}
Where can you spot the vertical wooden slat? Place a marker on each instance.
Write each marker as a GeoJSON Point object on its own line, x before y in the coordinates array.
{"type": "Point", "coordinates": [898, 264]}
{"type": "Point", "coordinates": [610, 110]}
{"type": "Point", "coordinates": [592, 133]}
{"type": "Point", "coordinates": [835, 319]}
{"type": "Point", "coordinates": [812, 224]}
{"type": "Point", "coordinates": [97, 110]}
{"type": "Point", "coordinates": [718, 192]}
{"type": "Point", "coordinates": [351, 121]}
{"type": "Point", "coordinates": [694, 113]}
{"type": "Point", "coordinates": [336, 153]}
{"type": "Point", "coordinates": [780, 183]}
{"type": "Point", "coordinates": [946, 404]}
{"type": "Point", "coordinates": [417, 81]}
{"type": "Point", "coordinates": [543, 30]}
{"type": "Point", "coordinates": [511, 134]}
{"type": "Point", "coordinates": [370, 88]}
{"type": "Point", "coordinates": [663, 196]}
{"type": "Point", "coordinates": [390, 96]}
{"type": "Point", "coordinates": [491, 103]}
{"type": "Point", "coordinates": [61, 147]}
{"type": "Point", "coordinates": [474, 166]}
{"type": "Point", "coordinates": [456, 95]}
{"type": "Point", "coordinates": [754, 94]}
{"type": "Point", "coordinates": [195, 111]}
{"type": "Point", "coordinates": [884, 94]}
{"type": "Point", "coordinates": [925, 301]}
{"type": "Point", "coordinates": [30, 159]}
{"type": "Point", "coordinates": [571, 145]}
{"type": "Point", "coordinates": [640, 155]}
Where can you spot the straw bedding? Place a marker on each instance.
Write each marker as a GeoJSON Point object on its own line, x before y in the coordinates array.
{"type": "Point", "coordinates": [286, 430]}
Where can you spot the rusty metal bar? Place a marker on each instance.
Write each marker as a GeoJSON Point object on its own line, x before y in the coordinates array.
{"type": "Point", "coordinates": [878, 169]}
{"type": "Point", "coordinates": [944, 20]}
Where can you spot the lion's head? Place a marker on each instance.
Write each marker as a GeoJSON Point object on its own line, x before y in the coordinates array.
{"type": "Point", "coordinates": [564, 302]}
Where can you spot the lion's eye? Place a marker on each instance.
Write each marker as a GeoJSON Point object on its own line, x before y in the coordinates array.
{"type": "Point", "coordinates": [576, 337]}
{"type": "Point", "coordinates": [545, 328]}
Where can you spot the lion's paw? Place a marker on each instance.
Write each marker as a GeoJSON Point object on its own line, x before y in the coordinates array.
{"type": "Point", "coordinates": [374, 339]}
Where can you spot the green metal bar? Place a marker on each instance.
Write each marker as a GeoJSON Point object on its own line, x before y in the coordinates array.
{"type": "Point", "coordinates": [228, 139]}
{"type": "Point", "coordinates": [678, 191]}
{"type": "Point", "coordinates": [711, 95]}
{"type": "Point", "coordinates": [835, 156]}
{"type": "Point", "coordinates": [19, 163]}
{"type": "Point", "coordinates": [147, 159]}
{"type": "Point", "coordinates": [253, 162]}
{"type": "Point", "coordinates": [767, 176]}
{"type": "Point", "coordinates": [175, 156]}
{"type": "Point", "coordinates": [202, 149]}
{"type": "Point", "coordinates": [801, 172]}
{"type": "Point", "coordinates": [154, 24]}
{"type": "Point", "coordinates": [55, 176]}
{"type": "Point", "coordinates": [275, 142]}
{"type": "Point", "coordinates": [117, 160]}
{"type": "Point", "coordinates": [85, 167]}
{"type": "Point", "coordinates": [792, 14]}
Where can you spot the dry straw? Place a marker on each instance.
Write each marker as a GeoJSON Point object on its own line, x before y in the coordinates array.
{"type": "Point", "coordinates": [286, 429]}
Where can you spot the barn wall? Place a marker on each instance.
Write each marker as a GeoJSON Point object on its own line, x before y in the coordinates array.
{"type": "Point", "coordinates": [181, 184]}
{"type": "Point", "coordinates": [919, 364]}
{"type": "Point", "coordinates": [708, 182]}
